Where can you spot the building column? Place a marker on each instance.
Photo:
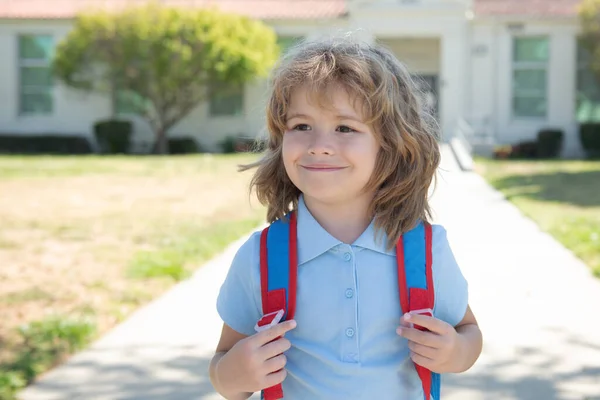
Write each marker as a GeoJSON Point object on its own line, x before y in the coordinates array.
{"type": "Point", "coordinates": [454, 79]}
{"type": "Point", "coordinates": [562, 88]}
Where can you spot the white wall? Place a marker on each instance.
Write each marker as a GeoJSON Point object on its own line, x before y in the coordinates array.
{"type": "Point", "coordinates": [490, 88]}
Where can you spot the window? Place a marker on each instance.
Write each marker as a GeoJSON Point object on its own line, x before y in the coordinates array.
{"type": "Point", "coordinates": [226, 100]}
{"type": "Point", "coordinates": [587, 100]}
{"type": "Point", "coordinates": [530, 75]}
{"type": "Point", "coordinates": [129, 102]}
{"type": "Point", "coordinates": [35, 75]}
{"type": "Point", "coordinates": [286, 42]}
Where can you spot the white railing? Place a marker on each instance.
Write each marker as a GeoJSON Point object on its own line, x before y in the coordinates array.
{"type": "Point", "coordinates": [465, 133]}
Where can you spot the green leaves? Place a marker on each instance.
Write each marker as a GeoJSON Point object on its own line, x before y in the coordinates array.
{"type": "Point", "coordinates": [589, 14]}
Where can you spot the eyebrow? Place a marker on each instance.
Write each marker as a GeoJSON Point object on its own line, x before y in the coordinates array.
{"type": "Point", "coordinates": [339, 116]}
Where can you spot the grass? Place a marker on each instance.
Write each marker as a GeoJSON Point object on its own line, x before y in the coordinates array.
{"type": "Point", "coordinates": [85, 241]}
{"type": "Point", "coordinates": [562, 196]}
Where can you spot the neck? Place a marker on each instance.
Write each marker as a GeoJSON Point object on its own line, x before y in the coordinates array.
{"type": "Point", "coordinates": [345, 221]}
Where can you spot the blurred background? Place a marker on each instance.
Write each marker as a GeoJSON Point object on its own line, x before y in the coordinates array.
{"type": "Point", "coordinates": [122, 123]}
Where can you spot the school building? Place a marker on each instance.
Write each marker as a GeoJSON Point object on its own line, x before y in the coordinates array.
{"type": "Point", "coordinates": [497, 70]}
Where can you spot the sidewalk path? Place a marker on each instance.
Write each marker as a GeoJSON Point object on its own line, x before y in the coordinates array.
{"type": "Point", "coordinates": [537, 305]}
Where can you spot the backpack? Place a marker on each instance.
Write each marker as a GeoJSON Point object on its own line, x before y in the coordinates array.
{"type": "Point", "coordinates": [278, 280]}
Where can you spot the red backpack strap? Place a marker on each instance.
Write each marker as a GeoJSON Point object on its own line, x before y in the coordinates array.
{"type": "Point", "coordinates": [415, 284]}
{"type": "Point", "coordinates": [278, 277]}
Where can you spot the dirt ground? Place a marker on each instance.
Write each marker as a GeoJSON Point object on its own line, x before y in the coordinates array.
{"type": "Point", "coordinates": [71, 226]}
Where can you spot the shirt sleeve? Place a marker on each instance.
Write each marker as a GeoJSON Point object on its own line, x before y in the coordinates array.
{"type": "Point", "coordinates": [239, 297]}
{"type": "Point", "coordinates": [450, 286]}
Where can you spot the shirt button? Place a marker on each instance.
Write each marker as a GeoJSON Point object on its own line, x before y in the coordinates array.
{"type": "Point", "coordinates": [349, 332]}
{"type": "Point", "coordinates": [349, 293]}
{"type": "Point", "coordinates": [347, 256]}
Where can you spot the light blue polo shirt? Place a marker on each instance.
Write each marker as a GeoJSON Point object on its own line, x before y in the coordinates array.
{"type": "Point", "coordinates": [345, 344]}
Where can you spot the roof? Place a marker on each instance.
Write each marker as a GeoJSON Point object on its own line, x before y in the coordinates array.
{"type": "Point", "coordinates": [535, 8]}
{"type": "Point", "coordinates": [261, 9]}
{"type": "Point", "coordinates": [273, 9]}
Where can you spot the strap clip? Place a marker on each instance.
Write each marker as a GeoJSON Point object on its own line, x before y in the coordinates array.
{"type": "Point", "coordinates": [269, 320]}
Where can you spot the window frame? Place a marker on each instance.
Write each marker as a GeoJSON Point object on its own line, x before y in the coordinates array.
{"type": "Point", "coordinates": [241, 96]}
{"type": "Point", "coordinates": [528, 66]}
{"type": "Point", "coordinates": [26, 89]}
{"type": "Point", "coordinates": [581, 64]}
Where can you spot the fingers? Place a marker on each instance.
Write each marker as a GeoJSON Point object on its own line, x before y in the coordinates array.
{"type": "Point", "coordinates": [433, 324]}
{"type": "Point", "coordinates": [422, 361]}
{"type": "Point", "coordinates": [424, 351]}
{"type": "Point", "coordinates": [275, 363]}
{"type": "Point", "coordinates": [275, 378]}
{"type": "Point", "coordinates": [275, 348]}
{"type": "Point", "coordinates": [420, 337]}
{"type": "Point", "coordinates": [274, 332]}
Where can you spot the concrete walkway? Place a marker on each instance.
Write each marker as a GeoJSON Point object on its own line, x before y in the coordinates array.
{"type": "Point", "coordinates": [537, 304]}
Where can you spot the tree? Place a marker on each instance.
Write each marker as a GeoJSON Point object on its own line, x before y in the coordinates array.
{"type": "Point", "coordinates": [166, 56]}
{"type": "Point", "coordinates": [589, 15]}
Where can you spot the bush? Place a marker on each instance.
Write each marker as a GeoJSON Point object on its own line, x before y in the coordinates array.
{"type": "Point", "coordinates": [549, 143]}
{"type": "Point", "coordinates": [183, 146]}
{"type": "Point", "coordinates": [525, 149]}
{"type": "Point", "coordinates": [240, 144]}
{"type": "Point", "coordinates": [228, 145]}
{"type": "Point", "coordinates": [589, 134]}
{"type": "Point", "coordinates": [44, 144]}
{"type": "Point", "coordinates": [113, 136]}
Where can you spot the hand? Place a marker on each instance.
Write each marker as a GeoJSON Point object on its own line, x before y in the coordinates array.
{"type": "Point", "coordinates": [434, 350]}
{"type": "Point", "coordinates": [256, 362]}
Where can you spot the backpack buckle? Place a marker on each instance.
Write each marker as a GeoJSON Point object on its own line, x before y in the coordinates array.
{"type": "Point", "coordinates": [269, 320]}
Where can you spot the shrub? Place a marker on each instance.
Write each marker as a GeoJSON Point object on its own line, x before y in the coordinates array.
{"type": "Point", "coordinates": [44, 144]}
{"type": "Point", "coordinates": [549, 143]}
{"type": "Point", "coordinates": [228, 145]}
{"type": "Point", "coordinates": [183, 146]}
{"type": "Point", "coordinates": [113, 136]}
{"type": "Point", "coordinates": [589, 134]}
{"type": "Point", "coordinates": [242, 144]}
{"type": "Point", "coordinates": [525, 149]}
{"type": "Point", "coordinates": [502, 152]}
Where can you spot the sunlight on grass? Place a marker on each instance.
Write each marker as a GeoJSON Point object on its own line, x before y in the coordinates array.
{"type": "Point", "coordinates": [562, 196]}
{"type": "Point", "coordinates": [123, 229]}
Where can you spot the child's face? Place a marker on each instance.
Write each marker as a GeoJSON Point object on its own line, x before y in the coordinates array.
{"type": "Point", "coordinates": [328, 153]}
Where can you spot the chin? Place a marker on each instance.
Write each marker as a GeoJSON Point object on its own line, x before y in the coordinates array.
{"type": "Point", "coordinates": [326, 195]}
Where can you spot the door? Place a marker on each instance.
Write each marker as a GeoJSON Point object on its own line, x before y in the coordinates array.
{"type": "Point", "coordinates": [428, 85]}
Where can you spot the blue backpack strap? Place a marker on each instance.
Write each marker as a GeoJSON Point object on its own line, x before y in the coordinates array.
{"type": "Point", "coordinates": [278, 277]}
{"type": "Point", "coordinates": [415, 281]}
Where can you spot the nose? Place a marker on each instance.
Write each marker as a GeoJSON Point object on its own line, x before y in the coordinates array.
{"type": "Point", "coordinates": [321, 144]}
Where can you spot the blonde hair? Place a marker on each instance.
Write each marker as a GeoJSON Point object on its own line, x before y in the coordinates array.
{"type": "Point", "coordinates": [409, 153]}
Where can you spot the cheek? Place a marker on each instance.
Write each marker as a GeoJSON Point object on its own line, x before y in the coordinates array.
{"type": "Point", "coordinates": [291, 147]}
{"type": "Point", "coordinates": [364, 152]}
{"type": "Point", "coordinates": [288, 152]}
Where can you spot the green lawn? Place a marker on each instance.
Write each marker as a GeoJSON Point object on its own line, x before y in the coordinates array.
{"type": "Point", "coordinates": [562, 196]}
{"type": "Point", "coordinates": [85, 241]}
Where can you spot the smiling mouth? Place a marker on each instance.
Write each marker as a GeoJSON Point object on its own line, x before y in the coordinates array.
{"type": "Point", "coordinates": [322, 168]}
